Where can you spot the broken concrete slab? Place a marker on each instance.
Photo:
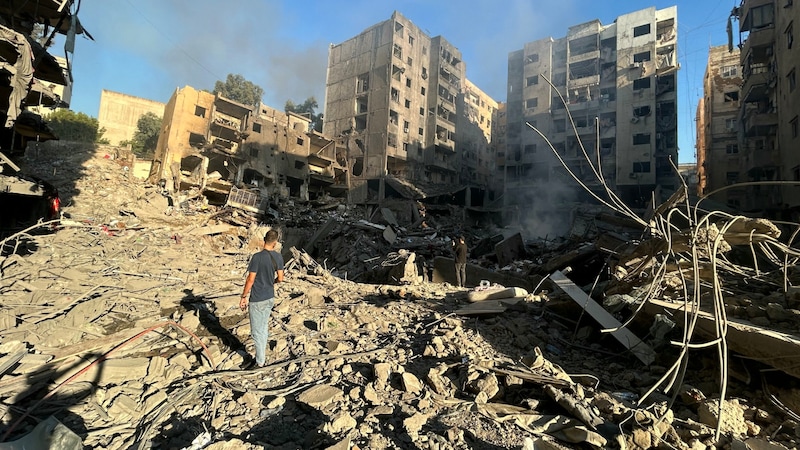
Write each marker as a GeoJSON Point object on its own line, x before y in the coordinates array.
{"type": "Point", "coordinates": [444, 271]}
{"type": "Point", "coordinates": [510, 249]}
{"type": "Point", "coordinates": [625, 337]}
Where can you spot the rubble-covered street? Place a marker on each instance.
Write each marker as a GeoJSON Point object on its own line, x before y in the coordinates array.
{"type": "Point", "coordinates": [123, 324]}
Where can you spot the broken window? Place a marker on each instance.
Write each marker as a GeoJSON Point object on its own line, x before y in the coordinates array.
{"type": "Point", "coordinates": [408, 103]}
{"type": "Point", "coordinates": [641, 111]}
{"type": "Point", "coordinates": [395, 95]}
{"type": "Point", "coordinates": [410, 61]}
{"type": "Point", "coordinates": [254, 151]}
{"type": "Point", "coordinates": [532, 58]}
{"type": "Point", "coordinates": [729, 71]}
{"type": "Point", "coordinates": [362, 83]}
{"type": "Point", "coordinates": [396, 71]}
{"type": "Point", "coordinates": [398, 28]}
{"type": "Point", "coordinates": [424, 73]}
{"type": "Point", "coordinates": [408, 82]}
{"type": "Point", "coordinates": [405, 126]}
{"type": "Point", "coordinates": [199, 111]}
{"type": "Point", "coordinates": [422, 90]}
{"type": "Point", "coordinates": [641, 57]}
{"type": "Point", "coordinates": [393, 117]}
{"type": "Point", "coordinates": [532, 103]}
{"type": "Point", "coordinates": [791, 81]}
{"type": "Point", "coordinates": [196, 140]}
{"type": "Point", "coordinates": [532, 81]}
{"type": "Point", "coordinates": [789, 35]}
{"type": "Point", "coordinates": [641, 138]}
{"type": "Point", "coordinates": [730, 124]}
{"type": "Point", "coordinates": [641, 30]}
{"type": "Point", "coordinates": [256, 127]}
{"type": "Point", "coordinates": [758, 17]}
{"type": "Point", "coordinates": [410, 40]}
{"type": "Point", "coordinates": [732, 96]}
{"type": "Point", "coordinates": [299, 141]}
{"type": "Point", "coordinates": [641, 83]}
{"type": "Point", "coordinates": [641, 167]}
{"type": "Point", "coordinates": [299, 164]}
{"type": "Point", "coordinates": [421, 111]}
{"type": "Point", "coordinates": [362, 105]}
{"type": "Point", "coordinates": [398, 51]}
{"type": "Point", "coordinates": [391, 140]}
{"type": "Point", "coordinates": [421, 131]}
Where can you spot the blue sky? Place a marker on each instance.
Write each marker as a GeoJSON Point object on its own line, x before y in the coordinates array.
{"type": "Point", "coordinates": [148, 48]}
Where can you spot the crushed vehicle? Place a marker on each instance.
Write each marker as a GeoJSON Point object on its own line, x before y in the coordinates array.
{"type": "Point", "coordinates": [24, 199]}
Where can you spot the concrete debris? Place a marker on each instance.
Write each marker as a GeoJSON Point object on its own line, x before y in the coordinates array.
{"type": "Point", "coordinates": [124, 325]}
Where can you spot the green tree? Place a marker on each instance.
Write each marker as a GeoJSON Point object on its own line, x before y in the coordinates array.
{"type": "Point", "coordinates": [236, 88]}
{"type": "Point", "coordinates": [307, 108]}
{"type": "Point", "coordinates": [75, 126]}
{"type": "Point", "coordinates": [145, 139]}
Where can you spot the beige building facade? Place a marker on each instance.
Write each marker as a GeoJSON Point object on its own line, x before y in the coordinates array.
{"type": "Point", "coordinates": [618, 82]}
{"type": "Point", "coordinates": [719, 160]}
{"type": "Point", "coordinates": [393, 94]}
{"type": "Point", "coordinates": [769, 132]}
{"type": "Point", "coordinates": [223, 147]}
{"type": "Point", "coordinates": [119, 114]}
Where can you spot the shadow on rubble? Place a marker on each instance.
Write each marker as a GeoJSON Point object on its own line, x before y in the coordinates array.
{"type": "Point", "coordinates": [206, 312]}
{"type": "Point", "coordinates": [31, 407]}
{"type": "Point", "coordinates": [62, 164]}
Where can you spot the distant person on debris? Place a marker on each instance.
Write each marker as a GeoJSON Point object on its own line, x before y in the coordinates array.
{"type": "Point", "coordinates": [460, 249]}
{"type": "Point", "coordinates": [265, 269]}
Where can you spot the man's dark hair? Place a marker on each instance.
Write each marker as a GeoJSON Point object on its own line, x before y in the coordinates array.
{"type": "Point", "coordinates": [271, 236]}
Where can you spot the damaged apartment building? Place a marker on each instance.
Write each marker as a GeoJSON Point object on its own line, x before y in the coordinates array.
{"type": "Point", "coordinates": [242, 155]}
{"type": "Point", "coordinates": [33, 79]}
{"type": "Point", "coordinates": [718, 158]}
{"type": "Point", "coordinates": [414, 126]}
{"type": "Point", "coordinates": [767, 122]}
{"type": "Point", "coordinates": [623, 74]}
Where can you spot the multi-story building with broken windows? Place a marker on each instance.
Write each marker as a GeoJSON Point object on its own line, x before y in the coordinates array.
{"type": "Point", "coordinates": [393, 94]}
{"type": "Point", "coordinates": [618, 82]}
{"type": "Point", "coordinates": [718, 156]}
{"type": "Point", "coordinates": [770, 103]}
{"type": "Point", "coordinates": [224, 148]}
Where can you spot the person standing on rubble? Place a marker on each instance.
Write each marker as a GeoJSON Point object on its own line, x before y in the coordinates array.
{"type": "Point", "coordinates": [265, 269]}
{"type": "Point", "coordinates": [460, 250]}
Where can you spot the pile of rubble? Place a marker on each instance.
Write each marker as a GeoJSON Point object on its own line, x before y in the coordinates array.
{"type": "Point", "coordinates": [122, 330]}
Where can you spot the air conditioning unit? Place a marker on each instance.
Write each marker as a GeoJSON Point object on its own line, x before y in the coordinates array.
{"type": "Point", "coordinates": [636, 65]}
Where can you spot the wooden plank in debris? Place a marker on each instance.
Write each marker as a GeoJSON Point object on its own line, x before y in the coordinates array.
{"type": "Point", "coordinates": [771, 347]}
{"type": "Point", "coordinates": [625, 336]}
{"type": "Point", "coordinates": [8, 361]}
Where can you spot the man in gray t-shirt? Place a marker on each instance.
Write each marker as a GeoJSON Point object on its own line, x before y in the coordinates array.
{"type": "Point", "coordinates": [265, 269]}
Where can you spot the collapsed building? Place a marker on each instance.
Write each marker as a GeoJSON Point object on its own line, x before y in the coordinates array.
{"type": "Point", "coordinates": [236, 153]}
{"type": "Point", "coordinates": [30, 74]}
{"type": "Point", "coordinates": [415, 127]}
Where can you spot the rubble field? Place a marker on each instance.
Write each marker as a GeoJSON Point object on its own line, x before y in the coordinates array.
{"type": "Point", "coordinates": [120, 329]}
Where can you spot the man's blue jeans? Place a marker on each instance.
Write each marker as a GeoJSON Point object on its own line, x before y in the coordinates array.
{"type": "Point", "coordinates": [259, 323]}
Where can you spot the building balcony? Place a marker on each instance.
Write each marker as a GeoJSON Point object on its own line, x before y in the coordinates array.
{"type": "Point", "coordinates": [583, 81]}
{"type": "Point", "coordinates": [584, 56]}
{"type": "Point", "coordinates": [576, 105]}
{"type": "Point", "coordinates": [759, 124]}
{"type": "Point", "coordinates": [757, 39]}
{"type": "Point", "coordinates": [756, 87]}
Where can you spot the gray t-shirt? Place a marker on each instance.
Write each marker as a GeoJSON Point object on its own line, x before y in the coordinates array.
{"type": "Point", "coordinates": [264, 263]}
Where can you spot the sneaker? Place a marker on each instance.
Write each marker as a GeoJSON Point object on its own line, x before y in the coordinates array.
{"type": "Point", "coordinates": [248, 363]}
